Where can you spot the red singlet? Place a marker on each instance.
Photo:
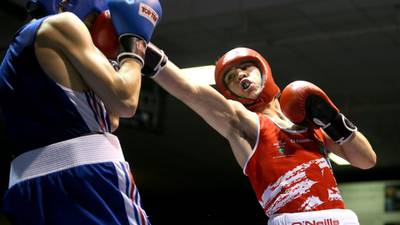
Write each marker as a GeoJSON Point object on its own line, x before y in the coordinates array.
{"type": "Point", "coordinates": [289, 170]}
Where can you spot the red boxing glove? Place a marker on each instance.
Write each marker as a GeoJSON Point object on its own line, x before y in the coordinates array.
{"type": "Point", "coordinates": [303, 102]}
{"type": "Point", "coordinates": [104, 35]}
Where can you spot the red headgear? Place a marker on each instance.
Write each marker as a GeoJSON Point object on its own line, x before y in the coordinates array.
{"type": "Point", "coordinates": [235, 57]}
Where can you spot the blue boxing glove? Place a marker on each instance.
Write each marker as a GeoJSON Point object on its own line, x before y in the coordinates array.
{"type": "Point", "coordinates": [134, 21]}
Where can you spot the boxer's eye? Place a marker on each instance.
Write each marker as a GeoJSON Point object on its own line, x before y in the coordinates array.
{"type": "Point", "coordinates": [244, 66]}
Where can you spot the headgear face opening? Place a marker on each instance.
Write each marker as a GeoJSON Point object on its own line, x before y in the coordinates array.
{"type": "Point", "coordinates": [80, 8]}
{"type": "Point", "coordinates": [235, 57]}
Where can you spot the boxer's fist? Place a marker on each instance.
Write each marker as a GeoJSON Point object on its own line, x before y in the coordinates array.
{"type": "Point", "coordinates": [304, 102]}
{"type": "Point", "coordinates": [135, 17]}
{"type": "Point", "coordinates": [154, 61]}
{"type": "Point", "coordinates": [104, 35]}
{"type": "Point", "coordinates": [134, 21]}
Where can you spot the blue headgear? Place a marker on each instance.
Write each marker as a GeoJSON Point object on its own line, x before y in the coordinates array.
{"type": "Point", "coordinates": [81, 8]}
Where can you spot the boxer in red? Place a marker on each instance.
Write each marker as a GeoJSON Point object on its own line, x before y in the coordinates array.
{"type": "Point", "coordinates": [280, 140]}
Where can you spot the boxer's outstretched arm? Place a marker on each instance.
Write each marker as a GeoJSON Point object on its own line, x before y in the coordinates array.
{"type": "Point", "coordinates": [222, 114]}
{"type": "Point", "coordinates": [230, 118]}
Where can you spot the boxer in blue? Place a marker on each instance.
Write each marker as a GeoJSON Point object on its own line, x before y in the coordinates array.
{"type": "Point", "coordinates": [61, 99]}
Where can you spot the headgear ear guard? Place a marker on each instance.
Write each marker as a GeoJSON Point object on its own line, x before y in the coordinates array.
{"type": "Point", "coordinates": [80, 8]}
{"type": "Point", "coordinates": [235, 57]}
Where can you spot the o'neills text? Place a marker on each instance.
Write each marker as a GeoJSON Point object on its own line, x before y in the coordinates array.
{"type": "Point", "coordinates": [317, 222]}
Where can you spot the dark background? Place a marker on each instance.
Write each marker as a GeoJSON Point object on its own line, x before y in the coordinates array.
{"type": "Point", "coordinates": [184, 169]}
